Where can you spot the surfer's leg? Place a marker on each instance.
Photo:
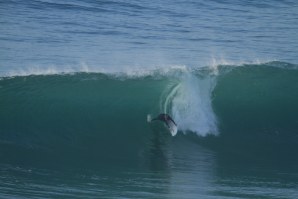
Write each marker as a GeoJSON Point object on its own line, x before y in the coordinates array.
{"type": "Point", "coordinates": [167, 125]}
{"type": "Point", "coordinates": [173, 121]}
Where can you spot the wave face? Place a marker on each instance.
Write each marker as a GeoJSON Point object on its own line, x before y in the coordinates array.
{"type": "Point", "coordinates": [258, 98]}
{"type": "Point", "coordinates": [257, 109]}
{"type": "Point", "coordinates": [104, 115]}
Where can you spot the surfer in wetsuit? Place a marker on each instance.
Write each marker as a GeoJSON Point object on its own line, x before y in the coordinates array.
{"type": "Point", "coordinates": [165, 118]}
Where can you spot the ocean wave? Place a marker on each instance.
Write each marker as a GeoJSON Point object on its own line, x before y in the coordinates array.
{"type": "Point", "coordinates": [88, 112]}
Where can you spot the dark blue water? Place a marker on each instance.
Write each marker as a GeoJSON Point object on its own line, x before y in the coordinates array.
{"type": "Point", "coordinates": [78, 79]}
{"type": "Point", "coordinates": [114, 35]}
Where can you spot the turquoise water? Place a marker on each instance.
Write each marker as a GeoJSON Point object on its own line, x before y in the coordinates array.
{"type": "Point", "coordinates": [85, 135]}
{"type": "Point", "coordinates": [78, 80]}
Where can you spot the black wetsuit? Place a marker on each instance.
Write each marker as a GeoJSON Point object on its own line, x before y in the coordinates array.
{"type": "Point", "coordinates": [165, 118]}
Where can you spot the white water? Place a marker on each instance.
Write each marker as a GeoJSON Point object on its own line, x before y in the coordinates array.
{"type": "Point", "coordinates": [191, 105]}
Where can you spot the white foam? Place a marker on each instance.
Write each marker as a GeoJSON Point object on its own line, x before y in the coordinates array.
{"type": "Point", "coordinates": [149, 118]}
{"type": "Point", "coordinates": [191, 105]}
{"type": "Point", "coordinates": [131, 72]}
{"type": "Point", "coordinates": [214, 63]}
{"type": "Point", "coordinates": [134, 71]}
{"type": "Point", "coordinates": [37, 70]}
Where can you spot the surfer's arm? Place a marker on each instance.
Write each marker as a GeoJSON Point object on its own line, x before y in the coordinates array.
{"type": "Point", "coordinates": [154, 119]}
{"type": "Point", "coordinates": [167, 125]}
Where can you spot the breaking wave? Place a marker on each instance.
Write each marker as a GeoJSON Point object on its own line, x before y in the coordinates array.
{"type": "Point", "coordinates": [92, 112]}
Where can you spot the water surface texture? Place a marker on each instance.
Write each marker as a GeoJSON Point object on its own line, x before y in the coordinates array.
{"type": "Point", "coordinates": [78, 80]}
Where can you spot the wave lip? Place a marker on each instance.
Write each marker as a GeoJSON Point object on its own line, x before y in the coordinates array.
{"type": "Point", "coordinates": [129, 72]}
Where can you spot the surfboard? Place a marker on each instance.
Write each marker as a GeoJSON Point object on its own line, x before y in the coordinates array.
{"type": "Point", "coordinates": [172, 128]}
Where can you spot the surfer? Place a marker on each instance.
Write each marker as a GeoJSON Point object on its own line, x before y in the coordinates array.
{"type": "Point", "coordinates": [165, 118]}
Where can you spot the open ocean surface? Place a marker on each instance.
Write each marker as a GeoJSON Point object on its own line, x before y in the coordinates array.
{"type": "Point", "coordinates": [79, 78]}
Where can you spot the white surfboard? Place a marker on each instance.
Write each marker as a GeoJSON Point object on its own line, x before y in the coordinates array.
{"type": "Point", "coordinates": [173, 128]}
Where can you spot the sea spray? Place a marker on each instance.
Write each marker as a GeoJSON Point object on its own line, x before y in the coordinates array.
{"type": "Point", "coordinates": [191, 104]}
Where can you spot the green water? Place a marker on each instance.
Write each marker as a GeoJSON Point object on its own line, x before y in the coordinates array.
{"type": "Point", "coordinates": [178, 168]}
{"type": "Point", "coordinates": [85, 135]}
